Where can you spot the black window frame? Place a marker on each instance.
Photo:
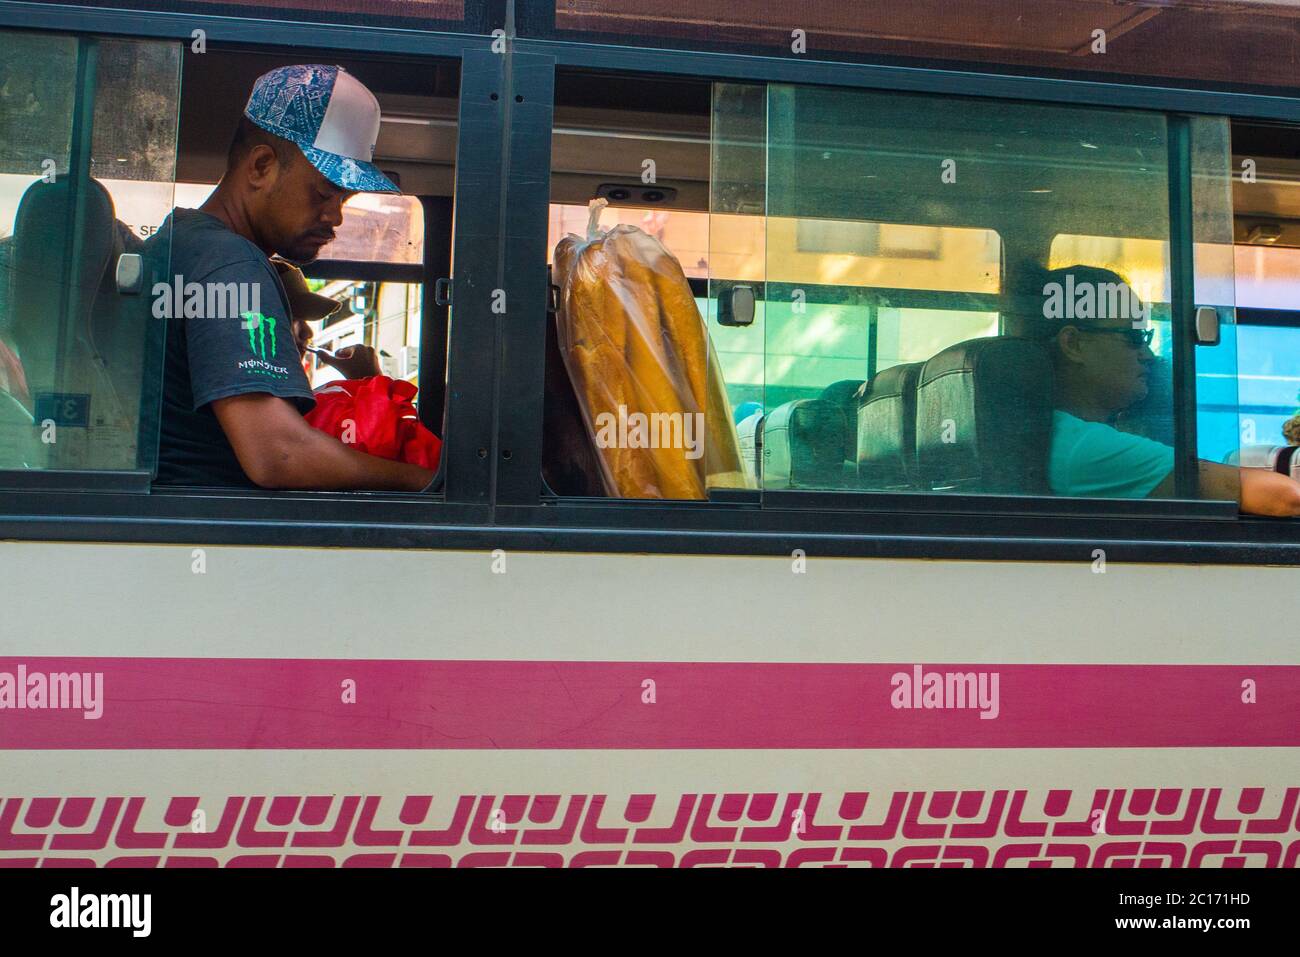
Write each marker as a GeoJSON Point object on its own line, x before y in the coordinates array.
{"type": "Point", "coordinates": [494, 496]}
{"type": "Point", "coordinates": [530, 342]}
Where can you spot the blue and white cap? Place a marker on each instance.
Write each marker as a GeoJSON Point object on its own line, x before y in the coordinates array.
{"type": "Point", "coordinates": [329, 115]}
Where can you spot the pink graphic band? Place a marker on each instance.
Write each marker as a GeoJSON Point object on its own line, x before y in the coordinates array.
{"type": "Point", "coordinates": [233, 703]}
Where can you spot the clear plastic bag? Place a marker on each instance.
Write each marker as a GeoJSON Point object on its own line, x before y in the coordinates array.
{"type": "Point", "coordinates": [638, 355]}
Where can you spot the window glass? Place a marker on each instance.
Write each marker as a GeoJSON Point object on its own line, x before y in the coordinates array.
{"type": "Point", "coordinates": [947, 306]}
{"type": "Point", "coordinates": [1253, 42]}
{"type": "Point", "coordinates": [376, 227]}
{"type": "Point", "coordinates": [380, 227]}
{"type": "Point", "coordinates": [638, 389]}
{"type": "Point", "coordinates": [1269, 388]}
{"type": "Point", "coordinates": [382, 315]}
{"type": "Point", "coordinates": [430, 14]}
{"type": "Point", "coordinates": [81, 193]}
{"type": "Point", "coordinates": [1267, 277]}
{"type": "Point", "coordinates": [1220, 420]}
{"type": "Point", "coordinates": [685, 232]}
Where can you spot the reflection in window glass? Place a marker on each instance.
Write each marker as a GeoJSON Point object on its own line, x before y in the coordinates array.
{"type": "Point", "coordinates": [1267, 277]}
{"type": "Point", "coordinates": [684, 233]}
{"type": "Point", "coordinates": [438, 14]}
{"type": "Point", "coordinates": [379, 227]}
{"type": "Point", "coordinates": [1269, 358]}
{"type": "Point", "coordinates": [382, 315]}
{"type": "Point", "coordinates": [1251, 42]}
{"type": "Point", "coordinates": [79, 357]}
{"type": "Point", "coordinates": [947, 306]}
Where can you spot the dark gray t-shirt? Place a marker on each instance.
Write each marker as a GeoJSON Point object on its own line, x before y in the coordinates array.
{"type": "Point", "coordinates": [210, 357]}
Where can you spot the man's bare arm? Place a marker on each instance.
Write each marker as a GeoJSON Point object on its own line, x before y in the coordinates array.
{"type": "Point", "coordinates": [1257, 491]}
{"type": "Point", "coordinates": [278, 449]}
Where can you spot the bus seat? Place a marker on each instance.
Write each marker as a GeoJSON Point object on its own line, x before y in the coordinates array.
{"type": "Point", "coordinates": [749, 433]}
{"type": "Point", "coordinates": [886, 429]}
{"type": "Point", "coordinates": [803, 445]}
{"type": "Point", "coordinates": [41, 272]}
{"type": "Point", "coordinates": [105, 350]}
{"type": "Point", "coordinates": [984, 417]}
{"type": "Point", "coordinates": [845, 394]}
{"type": "Point", "coordinates": [570, 465]}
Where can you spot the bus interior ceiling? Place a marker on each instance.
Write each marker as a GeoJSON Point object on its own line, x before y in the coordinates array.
{"type": "Point", "coordinates": [863, 168]}
{"type": "Point", "coordinates": [1266, 193]}
{"type": "Point", "coordinates": [606, 127]}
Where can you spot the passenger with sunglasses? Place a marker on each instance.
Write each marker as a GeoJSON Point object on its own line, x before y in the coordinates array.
{"type": "Point", "coordinates": [1103, 365]}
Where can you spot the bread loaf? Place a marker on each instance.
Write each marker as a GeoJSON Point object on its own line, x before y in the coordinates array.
{"type": "Point", "coordinates": [633, 342]}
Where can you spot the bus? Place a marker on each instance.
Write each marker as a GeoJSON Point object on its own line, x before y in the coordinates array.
{"type": "Point", "coordinates": [889, 640]}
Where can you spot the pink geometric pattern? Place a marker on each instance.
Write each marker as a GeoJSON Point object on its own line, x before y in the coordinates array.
{"type": "Point", "coordinates": [1119, 827]}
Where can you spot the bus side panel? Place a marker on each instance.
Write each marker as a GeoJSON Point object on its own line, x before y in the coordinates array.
{"type": "Point", "coordinates": [282, 707]}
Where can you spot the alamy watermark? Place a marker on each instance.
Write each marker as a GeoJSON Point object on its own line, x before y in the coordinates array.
{"type": "Point", "coordinates": [75, 909]}
{"type": "Point", "coordinates": [948, 690]}
{"type": "Point", "coordinates": [206, 300]}
{"type": "Point", "coordinates": [53, 691]}
{"type": "Point", "coordinates": [654, 430]}
{"type": "Point", "coordinates": [1094, 300]}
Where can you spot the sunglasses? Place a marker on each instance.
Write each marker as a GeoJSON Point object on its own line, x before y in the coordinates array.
{"type": "Point", "coordinates": [1137, 338]}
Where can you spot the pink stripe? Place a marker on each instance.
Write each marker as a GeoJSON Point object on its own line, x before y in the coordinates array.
{"type": "Point", "coordinates": [289, 703]}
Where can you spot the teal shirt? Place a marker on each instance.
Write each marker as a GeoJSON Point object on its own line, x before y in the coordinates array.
{"type": "Point", "coordinates": [1091, 459]}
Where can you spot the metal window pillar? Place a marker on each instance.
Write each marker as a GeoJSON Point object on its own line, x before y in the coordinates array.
{"type": "Point", "coordinates": [1182, 308]}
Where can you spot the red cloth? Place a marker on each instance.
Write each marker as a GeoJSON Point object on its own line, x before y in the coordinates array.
{"type": "Point", "coordinates": [12, 379]}
{"type": "Point", "coordinates": [375, 415]}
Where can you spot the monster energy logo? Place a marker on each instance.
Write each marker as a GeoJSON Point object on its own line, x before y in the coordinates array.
{"type": "Point", "coordinates": [257, 326]}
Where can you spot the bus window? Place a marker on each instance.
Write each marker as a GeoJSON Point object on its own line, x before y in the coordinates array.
{"type": "Point", "coordinates": [946, 310]}
{"type": "Point", "coordinates": [1265, 412]}
{"type": "Point", "coordinates": [938, 295]}
{"type": "Point", "coordinates": [1245, 43]}
{"type": "Point", "coordinates": [81, 195]}
{"type": "Point", "coordinates": [639, 389]}
{"type": "Point", "coordinates": [441, 15]}
{"type": "Point", "coordinates": [1213, 429]}
{"type": "Point", "coordinates": [387, 248]}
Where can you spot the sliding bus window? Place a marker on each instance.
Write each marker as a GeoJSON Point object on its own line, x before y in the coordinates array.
{"type": "Point", "coordinates": [87, 168]}
{"type": "Point", "coordinates": [636, 395]}
{"type": "Point", "coordinates": [1248, 43]}
{"type": "Point", "coordinates": [460, 16]}
{"type": "Point", "coordinates": [967, 296]}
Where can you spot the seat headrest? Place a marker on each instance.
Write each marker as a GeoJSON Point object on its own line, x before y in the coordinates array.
{"type": "Point", "coordinates": [803, 445]}
{"type": "Point", "coordinates": [40, 269]}
{"type": "Point", "coordinates": [984, 417]}
{"type": "Point", "coordinates": [886, 429]}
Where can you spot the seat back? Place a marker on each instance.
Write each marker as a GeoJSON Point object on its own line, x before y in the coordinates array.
{"type": "Point", "coordinates": [72, 329]}
{"type": "Point", "coordinates": [984, 417]}
{"type": "Point", "coordinates": [802, 445]}
{"type": "Point", "coordinates": [845, 395]}
{"type": "Point", "coordinates": [886, 429]}
{"type": "Point", "coordinates": [53, 269]}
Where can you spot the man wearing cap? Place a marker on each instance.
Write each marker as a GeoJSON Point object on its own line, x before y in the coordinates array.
{"type": "Point", "coordinates": [234, 392]}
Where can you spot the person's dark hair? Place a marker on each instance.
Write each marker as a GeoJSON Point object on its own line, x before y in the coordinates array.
{"type": "Point", "coordinates": [1026, 299]}
{"type": "Point", "coordinates": [248, 134]}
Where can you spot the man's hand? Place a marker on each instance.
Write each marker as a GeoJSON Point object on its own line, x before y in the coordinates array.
{"type": "Point", "coordinates": [355, 362]}
{"type": "Point", "coordinates": [278, 449]}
